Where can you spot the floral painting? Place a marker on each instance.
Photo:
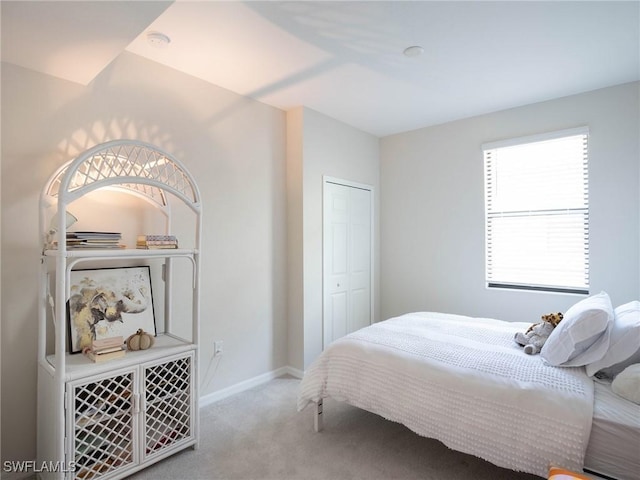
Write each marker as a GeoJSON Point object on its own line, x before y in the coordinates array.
{"type": "Point", "coordinates": [109, 302]}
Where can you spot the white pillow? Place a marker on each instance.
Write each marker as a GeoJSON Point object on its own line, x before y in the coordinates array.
{"type": "Point", "coordinates": [614, 370]}
{"type": "Point", "coordinates": [624, 341]}
{"type": "Point", "coordinates": [627, 383]}
{"type": "Point", "coordinates": [582, 337]}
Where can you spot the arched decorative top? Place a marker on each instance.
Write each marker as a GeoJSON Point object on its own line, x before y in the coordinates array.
{"type": "Point", "coordinates": [136, 167]}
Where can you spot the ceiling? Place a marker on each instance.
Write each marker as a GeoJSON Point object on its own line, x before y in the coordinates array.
{"type": "Point", "coordinates": [345, 59]}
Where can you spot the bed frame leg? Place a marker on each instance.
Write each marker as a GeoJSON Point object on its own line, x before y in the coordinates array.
{"type": "Point", "coordinates": [318, 423]}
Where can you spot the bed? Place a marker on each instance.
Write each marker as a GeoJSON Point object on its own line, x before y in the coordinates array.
{"type": "Point", "coordinates": [614, 444]}
{"type": "Point", "coordinates": [465, 382]}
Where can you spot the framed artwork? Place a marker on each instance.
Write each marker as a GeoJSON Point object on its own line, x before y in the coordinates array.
{"type": "Point", "coordinates": [109, 302]}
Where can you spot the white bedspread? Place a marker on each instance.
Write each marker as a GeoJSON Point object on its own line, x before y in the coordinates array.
{"type": "Point", "coordinates": [465, 382]}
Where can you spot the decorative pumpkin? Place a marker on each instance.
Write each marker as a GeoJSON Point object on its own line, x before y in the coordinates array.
{"type": "Point", "coordinates": [140, 340]}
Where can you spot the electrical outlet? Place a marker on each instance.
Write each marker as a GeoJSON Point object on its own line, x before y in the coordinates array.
{"type": "Point", "coordinates": [217, 348]}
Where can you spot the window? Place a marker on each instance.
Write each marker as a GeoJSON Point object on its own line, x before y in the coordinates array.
{"type": "Point", "coordinates": [537, 212]}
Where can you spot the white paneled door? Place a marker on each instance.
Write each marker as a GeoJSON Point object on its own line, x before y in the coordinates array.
{"type": "Point", "coordinates": [347, 247]}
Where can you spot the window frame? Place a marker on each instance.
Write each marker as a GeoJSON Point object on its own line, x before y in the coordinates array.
{"type": "Point", "coordinates": [488, 150]}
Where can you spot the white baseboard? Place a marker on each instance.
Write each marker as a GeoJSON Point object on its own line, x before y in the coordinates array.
{"type": "Point", "coordinates": [294, 372]}
{"type": "Point", "coordinates": [247, 384]}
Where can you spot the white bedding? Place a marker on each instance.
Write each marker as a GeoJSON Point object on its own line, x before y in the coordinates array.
{"type": "Point", "coordinates": [465, 382]}
{"type": "Point", "coordinates": [614, 444]}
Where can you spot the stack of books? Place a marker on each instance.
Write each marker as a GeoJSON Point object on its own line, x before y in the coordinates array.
{"type": "Point", "coordinates": [157, 241]}
{"type": "Point", "coordinates": [105, 349]}
{"type": "Point", "coordinates": [94, 240]}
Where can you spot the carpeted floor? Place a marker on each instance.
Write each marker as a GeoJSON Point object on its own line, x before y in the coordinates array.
{"type": "Point", "coordinates": [258, 434]}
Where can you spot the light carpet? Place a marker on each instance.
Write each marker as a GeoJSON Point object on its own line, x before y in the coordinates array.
{"type": "Point", "coordinates": [259, 435]}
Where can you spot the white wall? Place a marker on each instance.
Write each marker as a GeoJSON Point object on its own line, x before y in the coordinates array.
{"type": "Point", "coordinates": [432, 214]}
{"type": "Point", "coordinates": [234, 147]}
{"type": "Point", "coordinates": [328, 147]}
{"type": "Point", "coordinates": [295, 266]}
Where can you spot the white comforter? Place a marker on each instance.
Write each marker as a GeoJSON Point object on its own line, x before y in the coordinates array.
{"type": "Point", "coordinates": [465, 382]}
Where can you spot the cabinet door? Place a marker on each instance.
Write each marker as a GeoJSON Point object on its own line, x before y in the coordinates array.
{"type": "Point", "coordinates": [168, 404]}
{"type": "Point", "coordinates": [102, 424]}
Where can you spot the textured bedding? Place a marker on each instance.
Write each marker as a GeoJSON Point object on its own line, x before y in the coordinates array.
{"type": "Point", "coordinates": [614, 444]}
{"type": "Point", "coordinates": [465, 382]}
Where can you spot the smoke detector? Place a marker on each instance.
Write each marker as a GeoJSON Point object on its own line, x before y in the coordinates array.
{"type": "Point", "coordinates": [158, 39]}
{"type": "Point", "coordinates": [413, 51]}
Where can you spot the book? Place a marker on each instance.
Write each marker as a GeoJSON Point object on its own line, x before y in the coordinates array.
{"type": "Point", "coordinates": [104, 357]}
{"type": "Point", "coordinates": [156, 238]}
{"type": "Point", "coordinates": [93, 243]}
{"type": "Point", "coordinates": [89, 245]}
{"type": "Point", "coordinates": [102, 351]}
{"type": "Point", "coordinates": [96, 234]}
{"type": "Point", "coordinates": [79, 244]}
{"type": "Point", "coordinates": [96, 240]}
{"type": "Point", "coordinates": [156, 241]}
{"type": "Point", "coordinates": [108, 342]}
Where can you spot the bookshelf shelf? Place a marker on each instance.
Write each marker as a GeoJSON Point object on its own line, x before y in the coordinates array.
{"type": "Point", "coordinates": [122, 253]}
{"type": "Point", "coordinates": [78, 365]}
{"type": "Point", "coordinates": [115, 417]}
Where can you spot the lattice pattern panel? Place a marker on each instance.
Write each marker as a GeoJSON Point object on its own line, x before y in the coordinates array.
{"type": "Point", "coordinates": [168, 404]}
{"type": "Point", "coordinates": [103, 437]}
{"type": "Point", "coordinates": [131, 160]}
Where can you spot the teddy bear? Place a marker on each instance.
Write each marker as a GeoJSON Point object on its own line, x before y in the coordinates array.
{"type": "Point", "coordinates": [535, 336]}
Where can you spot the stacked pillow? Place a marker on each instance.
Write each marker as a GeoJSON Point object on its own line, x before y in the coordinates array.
{"type": "Point", "coordinates": [583, 335]}
{"type": "Point", "coordinates": [605, 341]}
{"type": "Point", "coordinates": [624, 348]}
{"type": "Point", "coordinates": [627, 383]}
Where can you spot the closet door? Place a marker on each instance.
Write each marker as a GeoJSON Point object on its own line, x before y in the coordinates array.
{"type": "Point", "coordinates": [347, 247]}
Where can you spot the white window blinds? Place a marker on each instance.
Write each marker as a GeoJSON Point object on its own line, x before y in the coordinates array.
{"type": "Point", "coordinates": [537, 212]}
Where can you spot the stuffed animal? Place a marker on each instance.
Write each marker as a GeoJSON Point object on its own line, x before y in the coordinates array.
{"type": "Point", "coordinates": [535, 336]}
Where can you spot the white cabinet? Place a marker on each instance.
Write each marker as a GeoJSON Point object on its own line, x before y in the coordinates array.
{"type": "Point", "coordinates": [120, 420]}
{"type": "Point", "coordinates": [167, 405]}
{"type": "Point", "coordinates": [103, 417]}
{"type": "Point", "coordinates": [109, 419]}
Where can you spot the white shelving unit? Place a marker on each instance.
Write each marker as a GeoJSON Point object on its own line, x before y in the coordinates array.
{"type": "Point", "coordinates": [107, 420]}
